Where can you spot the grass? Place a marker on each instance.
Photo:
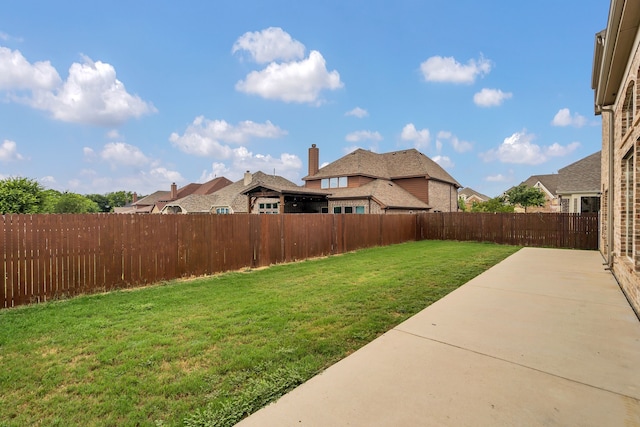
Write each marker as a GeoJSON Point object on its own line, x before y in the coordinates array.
{"type": "Point", "coordinates": [209, 351]}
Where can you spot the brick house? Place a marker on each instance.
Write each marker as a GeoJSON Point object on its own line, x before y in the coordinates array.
{"type": "Point", "coordinates": [469, 196]}
{"type": "Point", "coordinates": [579, 185]}
{"type": "Point", "coordinates": [398, 182]}
{"type": "Point", "coordinates": [615, 81]}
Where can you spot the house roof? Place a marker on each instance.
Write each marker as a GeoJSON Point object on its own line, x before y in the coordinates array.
{"type": "Point", "coordinates": [469, 192]}
{"type": "Point", "coordinates": [231, 195]}
{"type": "Point", "coordinates": [581, 176]}
{"type": "Point", "coordinates": [550, 182]}
{"type": "Point", "coordinates": [384, 192]}
{"type": "Point", "coordinates": [153, 198]}
{"type": "Point", "coordinates": [393, 165]}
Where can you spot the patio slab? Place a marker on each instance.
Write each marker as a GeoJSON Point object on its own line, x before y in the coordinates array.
{"type": "Point", "coordinates": [546, 337]}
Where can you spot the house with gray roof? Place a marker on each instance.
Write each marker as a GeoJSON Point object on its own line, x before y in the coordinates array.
{"type": "Point", "coordinates": [254, 193]}
{"type": "Point", "coordinates": [579, 185]}
{"type": "Point", "coordinates": [155, 202]}
{"type": "Point", "coordinates": [396, 182]}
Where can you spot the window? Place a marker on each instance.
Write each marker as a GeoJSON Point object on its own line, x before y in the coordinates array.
{"type": "Point", "coordinates": [324, 210]}
{"type": "Point", "coordinates": [589, 204]}
{"type": "Point", "coordinates": [335, 182]}
{"type": "Point", "coordinates": [628, 163]}
{"type": "Point", "coordinates": [222, 211]}
{"type": "Point", "coordinates": [359, 209]}
{"type": "Point", "coordinates": [348, 209]}
{"type": "Point", "coordinates": [627, 109]}
{"type": "Point", "coordinates": [268, 208]}
{"type": "Point", "coordinates": [337, 209]}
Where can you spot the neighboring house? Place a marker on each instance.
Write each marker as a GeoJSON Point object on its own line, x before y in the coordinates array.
{"type": "Point", "coordinates": [579, 185]}
{"type": "Point", "coordinates": [254, 193]}
{"type": "Point", "coordinates": [548, 184]}
{"type": "Point", "coordinates": [469, 196]}
{"type": "Point", "coordinates": [616, 81]}
{"type": "Point", "coordinates": [155, 202]}
{"type": "Point", "coordinates": [397, 182]}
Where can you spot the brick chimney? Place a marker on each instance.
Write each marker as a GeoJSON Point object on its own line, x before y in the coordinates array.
{"type": "Point", "coordinates": [135, 197]}
{"type": "Point", "coordinates": [314, 160]}
{"type": "Point", "coordinates": [247, 178]}
{"type": "Point", "coordinates": [174, 191]}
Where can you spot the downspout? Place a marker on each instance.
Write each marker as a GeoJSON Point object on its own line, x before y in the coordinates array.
{"type": "Point", "coordinates": [610, 254]}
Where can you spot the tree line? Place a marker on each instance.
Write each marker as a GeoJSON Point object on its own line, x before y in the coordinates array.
{"type": "Point", "coordinates": [27, 196]}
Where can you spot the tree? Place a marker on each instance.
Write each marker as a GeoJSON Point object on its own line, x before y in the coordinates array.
{"type": "Point", "coordinates": [104, 205]}
{"type": "Point", "coordinates": [50, 198]}
{"type": "Point", "coordinates": [106, 202]}
{"type": "Point", "coordinates": [20, 195]}
{"type": "Point", "coordinates": [492, 205]}
{"type": "Point", "coordinates": [75, 203]}
{"type": "Point", "coordinates": [526, 196]}
{"type": "Point", "coordinates": [462, 205]}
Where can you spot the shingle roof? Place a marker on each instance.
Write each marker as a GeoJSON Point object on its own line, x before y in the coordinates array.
{"type": "Point", "coordinates": [393, 165]}
{"type": "Point", "coordinates": [581, 176]}
{"type": "Point", "coordinates": [230, 196]}
{"type": "Point", "coordinates": [468, 192]}
{"type": "Point", "coordinates": [549, 181]}
{"type": "Point", "coordinates": [153, 198]}
{"type": "Point", "coordinates": [385, 192]}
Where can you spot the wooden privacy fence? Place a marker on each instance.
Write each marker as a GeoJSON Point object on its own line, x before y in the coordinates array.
{"type": "Point", "coordinates": [54, 256]}
{"type": "Point", "coordinates": [571, 231]}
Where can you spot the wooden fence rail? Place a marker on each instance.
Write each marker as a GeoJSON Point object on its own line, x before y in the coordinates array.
{"type": "Point", "coordinates": [54, 256]}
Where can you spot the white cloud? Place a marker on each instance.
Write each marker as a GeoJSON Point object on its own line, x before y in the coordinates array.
{"type": "Point", "coordinates": [300, 81]}
{"type": "Point", "coordinates": [497, 178]}
{"type": "Point", "coordinates": [93, 95]}
{"type": "Point", "coordinates": [206, 137]}
{"type": "Point", "coordinates": [357, 112]}
{"type": "Point", "coordinates": [363, 135]}
{"type": "Point", "coordinates": [9, 151]}
{"type": "Point", "coordinates": [520, 149]}
{"type": "Point", "coordinates": [557, 150]}
{"type": "Point", "coordinates": [114, 134]}
{"type": "Point", "coordinates": [564, 118]}
{"type": "Point", "coordinates": [491, 97]}
{"type": "Point", "coordinates": [241, 160]}
{"type": "Point", "coordinates": [8, 37]}
{"type": "Point", "coordinates": [47, 181]}
{"type": "Point", "coordinates": [443, 161]}
{"type": "Point", "coordinates": [122, 154]}
{"type": "Point", "coordinates": [448, 70]}
{"type": "Point", "coordinates": [141, 181]}
{"type": "Point", "coordinates": [89, 154]}
{"type": "Point", "coordinates": [420, 138]}
{"type": "Point", "coordinates": [16, 73]}
{"type": "Point", "coordinates": [271, 44]}
{"type": "Point", "coordinates": [458, 145]}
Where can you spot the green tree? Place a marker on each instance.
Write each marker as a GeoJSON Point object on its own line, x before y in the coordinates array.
{"type": "Point", "coordinates": [104, 205]}
{"type": "Point", "coordinates": [50, 198]}
{"type": "Point", "coordinates": [492, 205]}
{"type": "Point", "coordinates": [525, 196]}
{"type": "Point", "coordinates": [119, 198]}
{"type": "Point", "coordinates": [20, 195]}
{"type": "Point", "coordinates": [462, 205]}
{"type": "Point", "coordinates": [75, 203]}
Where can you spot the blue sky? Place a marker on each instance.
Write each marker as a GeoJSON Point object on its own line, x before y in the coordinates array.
{"type": "Point", "coordinates": [134, 95]}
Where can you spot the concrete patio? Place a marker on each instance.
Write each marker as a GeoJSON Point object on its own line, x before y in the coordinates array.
{"type": "Point", "coordinates": [546, 337]}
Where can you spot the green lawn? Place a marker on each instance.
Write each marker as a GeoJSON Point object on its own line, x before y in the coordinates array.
{"type": "Point", "coordinates": [211, 350]}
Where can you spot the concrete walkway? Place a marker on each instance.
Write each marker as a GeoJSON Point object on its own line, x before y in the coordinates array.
{"type": "Point", "coordinates": [545, 338]}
